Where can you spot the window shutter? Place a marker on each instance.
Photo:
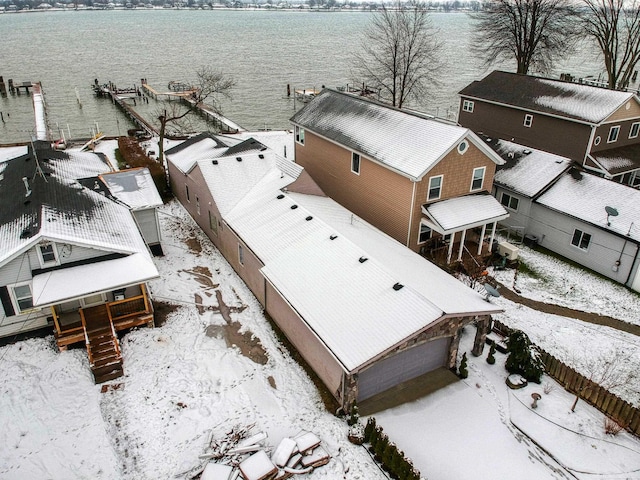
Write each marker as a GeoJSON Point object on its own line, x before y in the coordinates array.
{"type": "Point", "coordinates": [6, 302]}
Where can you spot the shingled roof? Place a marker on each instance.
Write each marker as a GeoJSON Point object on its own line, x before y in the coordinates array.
{"type": "Point", "coordinates": [583, 103]}
{"type": "Point", "coordinates": [407, 142]}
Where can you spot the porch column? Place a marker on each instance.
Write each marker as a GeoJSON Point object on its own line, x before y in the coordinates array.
{"type": "Point", "coordinates": [493, 234]}
{"type": "Point", "coordinates": [461, 249]}
{"type": "Point", "coordinates": [453, 237]}
{"type": "Point", "coordinates": [484, 230]}
{"type": "Point", "coordinates": [482, 328]}
{"type": "Point", "coordinates": [55, 318]}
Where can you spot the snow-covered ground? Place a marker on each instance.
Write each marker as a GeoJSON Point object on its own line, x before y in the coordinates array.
{"type": "Point", "coordinates": [182, 381]}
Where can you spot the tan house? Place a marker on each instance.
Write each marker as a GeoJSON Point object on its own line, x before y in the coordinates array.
{"type": "Point", "coordinates": [595, 127]}
{"type": "Point", "coordinates": [364, 312]}
{"type": "Point", "coordinates": [422, 181]}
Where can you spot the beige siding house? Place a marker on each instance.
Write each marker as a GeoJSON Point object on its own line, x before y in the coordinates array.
{"type": "Point", "coordinates": [365, 312]}
{"type": "Point", "coordinates": [401, 171]}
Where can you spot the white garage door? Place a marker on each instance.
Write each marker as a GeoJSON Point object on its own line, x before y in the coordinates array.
{"type": "Point", "coordinates": [402, 367]}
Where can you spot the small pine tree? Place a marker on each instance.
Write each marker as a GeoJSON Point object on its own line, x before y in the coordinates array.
{"type": "Point", "coordinates": [381, 446]}
{"type": "Point", "coordinates": [375, 438]}
{"type": "Point", "coordinates": [387, 456]}
{"type": "Point", "coordinates": [369, 428]}
{"type": "Point", "coordinates": [491, 359]}
{"type": "Point", "coordinates": [396, 463]}
{"type": "Point", "coordinates": [353, 415]}
{"type": "Point", "coordinates": [463, 372]}
{"type": "Point", "coordinates": [523, 357]}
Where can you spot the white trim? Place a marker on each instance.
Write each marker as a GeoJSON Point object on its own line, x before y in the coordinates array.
{"type": "Point", "coordinates": [637, 125]}
{"type": "Point", "coordinates": [582, 234]}
{"type": "Point", "coordinates": [353, 157]}
{"type": "Point", "coordinates": [422, 222]}
{"type": "Point", "coordinates": [298, 135]}
{"type": "Point", "coordinates": [103, 299]}
{"type": "Point", "coordinates": [463, 146]}
{"type": "Point", "coordinates": [467, 105]}
{"type": "Point", "coordinates": [441, 177]}
{"type": "Point", "coordinates": [616, 129]}
{"type": "Point", "coordinates": [44, 263]}
{"type": "Point", "coordinates": [14, 299]}
{"type": "Point", "coordinates": [528, 120]}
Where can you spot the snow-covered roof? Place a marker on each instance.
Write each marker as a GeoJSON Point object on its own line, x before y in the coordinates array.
{"type": "Point", "coordinates": [583, 103]}
{"type": "Point", "coordinates": [134, 187]}
{"type": "Point", "coordinates": [56, 207]}
{"type": "Point", "coordinates": [469, 211]}
{"type": "Point", "coordinates": [526, 171]}
{"type": "Point", "coordinates": [585, 196]}
{"type": "Point", "coordinates": [8, 153]}
{"type": "Point", "coordinates": [329, 268]}
{"type": "Point", "coordinates": [201, 147]}
{"type": "Point", "coordinates": [280, 141]}
{"type": "Point", "coordinates": [620, 160]}
{"type": "Point", "coordinates": [406, 142]}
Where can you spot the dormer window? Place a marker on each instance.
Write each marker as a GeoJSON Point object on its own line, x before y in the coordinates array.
{"type": "Point", "coordinates": [613, 134]}
{"type": "Point", "coordinates": [47, 254]}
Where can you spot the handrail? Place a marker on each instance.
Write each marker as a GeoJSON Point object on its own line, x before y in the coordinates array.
{"type": "Point", "coordinates": [86, 337]}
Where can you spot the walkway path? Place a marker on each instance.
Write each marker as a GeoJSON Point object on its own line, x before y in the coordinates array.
{"type": "Point", "coordinates": [569, 312]}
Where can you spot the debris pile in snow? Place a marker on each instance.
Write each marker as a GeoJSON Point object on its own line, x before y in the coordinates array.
{"type": "Point", "coordinates": [239, 455]}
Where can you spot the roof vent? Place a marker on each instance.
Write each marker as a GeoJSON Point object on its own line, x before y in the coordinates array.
{"type": "Point", "coordinates": [260, 155]}
{"type": "Point", "coordinates": [526, 152]}
{"type": "Point", "coordinates": [363, 259]}
{"type": "Point", "coordinates": [26, 186]}
{"type": "Point", "coordinates": [239, 159]}
{"type": "Point", "coordinates": [308, 218]}
{"type": "Point", "coordinates": [510, 154]}
{"type": "Point", "coordinates": [280, 197]}
{"type": "Point", "coordinates": [215, 162]}
{"type": "Point", "coordinates": [333, 237]}
{"type": "Point", "coordinates": [263, 149]}
{"type": "Point", "coordinates": [293, 207]}
{"type": "Point", "coordinates": [397, 286]}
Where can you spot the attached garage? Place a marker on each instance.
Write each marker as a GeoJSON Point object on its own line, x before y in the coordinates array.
{"type": "Point", "coordinates": [403, 366]}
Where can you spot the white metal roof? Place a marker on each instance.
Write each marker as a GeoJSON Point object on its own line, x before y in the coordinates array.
{"type": "Point", "coordinates": [406, 142]}
{"type": "Point", "coordinates": [187, 157]}
{"type": "Point", "coordinates": [134, 187]}
{"type": "Point", "coordinates": [455, 214]}
{"type": "Point", "coordinates": [527, 171]}
{"type": "Point", "coordinates": [585, 196]}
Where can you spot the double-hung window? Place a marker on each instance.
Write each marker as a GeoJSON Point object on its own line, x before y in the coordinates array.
{"type": "Point", "coordinates": [635, 130]}
{"type": "Point", "coordinates": [355, 163]}
{"type": "Point", "coordinates": [435, 188]}
{"type": "Point", "coordinates": [22, 296]}
{"type": "Point", "coordinates": [477, 179]}
{"type": "Point", "coordinates": [47, 254]}
{"type": "Point", "coordinates": [581, 239]}
{"type": "Point", "coordinates": [528, 120]}
{"type": "Point", "coordinates": [425, 233]}
{"type": "Point", "coordinates": [613, 134]}
{"type": "Point", "coordinates": [299, 132]}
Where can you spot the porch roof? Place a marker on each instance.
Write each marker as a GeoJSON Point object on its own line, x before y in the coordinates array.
{"type": "Point", "coordinates": [618, 160]}
{"type": "Point", "coordinates": [461, 213]}
{"type": "Point", "coordinates": [66, 284]}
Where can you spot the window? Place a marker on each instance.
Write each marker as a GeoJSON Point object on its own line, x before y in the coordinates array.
{"type": "Point", "coordinates": [197, 205]}
{"type": "Point", "coordinates": [213, 223]}
{"type": "Point", "coordinates": [97, 299]}
{"type": "Point", "coordinates": [581, 239]}
{"type": "Point", "coordinates": [186, 190]}
{"type": "Point", "coordinates": [23, 297]}
{"type": "Point", "coordinates": [477, 179]}
{"type": "Point", "coordinates": [48, 254]}
{"type": "Point", "coordinates": [240, 254]}
{"type": "Point", "coordinates": [463, 146]}
{"type": "Point", "coordinates": [635, 129]}
{"type": "Point", "coordinates": [613, 134]}
{"type": "Point", "coordinates": [300, 135]}
{"type": "Point", "coordinates": [425, 233]}
{"type": "Point", "coordinates": [435, 187]}
{"type": "Point", "coordinates": [596, 141]}
{"type": "Point", "coordinates": [509, 201]}
{"type": "Point", "coordinates": [355, 163]}
{"type": "Point", "coordinates": [467, 106]}
{"type": "Point", "coordinates": [528, 120]}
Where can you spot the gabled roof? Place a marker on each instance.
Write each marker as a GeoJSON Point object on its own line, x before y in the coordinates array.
{"type": "Point", "coordinates": [202, 146]}
{"type": "Point", "coordinates": [582, 103]}
{"type": "Point", "coordinates": [54, 206]}
{"type": "Point", "coordinates": [337, 271]}
{"type": "Point", "coordinates": [526, 171]}
{"type": "Point", "coordinates": [407, 142]}
{"type": "Point", "coordinates": [585, 196]}
{"type": "Point", "coordinates": [616, 161]}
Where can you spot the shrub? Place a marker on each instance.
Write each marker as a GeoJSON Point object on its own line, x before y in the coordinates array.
{"type": "Point", "coordinates": [353, 416]}
{"type": "Point", "coordinates": [369, 428]}
{"type": "Point", "coordinates": [381, 446]}
{"type": "Point", "coordinates": [375, 438]}
{"type": "Point", "coordinates": [463, 372]}
{"type": "Point", "coordinates": [523, 357]}
{"type": "Point", "coordinates": [491, 359]}
{"type": "Point", "coordinates": [131, 153]}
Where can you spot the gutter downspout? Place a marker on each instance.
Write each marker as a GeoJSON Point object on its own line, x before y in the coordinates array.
{"type": "Point", "coordinates": [413, 201]}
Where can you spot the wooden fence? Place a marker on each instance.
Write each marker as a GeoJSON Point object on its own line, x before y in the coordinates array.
{"type": "Point", "coordinates": [608, 403]}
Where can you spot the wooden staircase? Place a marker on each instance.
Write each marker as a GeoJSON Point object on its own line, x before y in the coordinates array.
{"type": "Point", "coordinates": [102, 343]}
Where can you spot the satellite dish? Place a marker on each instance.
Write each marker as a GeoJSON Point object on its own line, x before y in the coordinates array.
{"type": "Point", "coordinates": [611, 212]}
{"type": "Point", "coordinates": [491, 291]}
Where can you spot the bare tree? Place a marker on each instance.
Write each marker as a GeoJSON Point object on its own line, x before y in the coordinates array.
{"type": "Point", "coordinates": [533, 32]}
{"type": "Point", "coordinates": [607, 370]}
{"type": "Point", "coordinates": [399, 55]}
{"type": "Point", "coordinates": [209, 87]}
{"type": "Point", "coordinates": [615, 26]}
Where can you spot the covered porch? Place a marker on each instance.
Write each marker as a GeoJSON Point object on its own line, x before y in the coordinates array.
{"type": "Point", "coordinates": [460, 227]}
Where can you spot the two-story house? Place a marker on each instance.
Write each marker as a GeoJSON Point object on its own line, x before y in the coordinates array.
{"type": "Point", "coordinates": [423, 181]}
{"type": "Point", "coordinates": [365, 312]}
{"type": "Point", "coordinates": [72, 257]}
{"type": "Point", "coordinates": [596, 127]}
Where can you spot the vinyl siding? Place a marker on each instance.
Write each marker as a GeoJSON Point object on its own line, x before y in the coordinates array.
{"type": "Point", "coordinates": [623, 136]}
{"type": "Point", "coordinates": [622, 114]}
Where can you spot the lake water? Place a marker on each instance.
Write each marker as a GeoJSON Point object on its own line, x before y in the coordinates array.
{"type": "Point", "coordinates": [262, 50]}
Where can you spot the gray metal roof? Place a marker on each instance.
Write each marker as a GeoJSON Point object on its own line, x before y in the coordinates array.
{"type": "Point", "coordinates": [574, 101]}
{"type": "Point", "coordinates": [407, 142]}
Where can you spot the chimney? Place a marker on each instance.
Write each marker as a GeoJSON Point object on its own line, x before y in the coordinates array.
{"type": "Point", "coordinates": [26, 186]}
